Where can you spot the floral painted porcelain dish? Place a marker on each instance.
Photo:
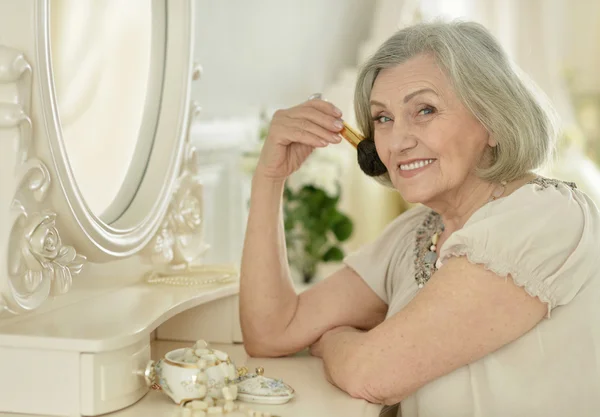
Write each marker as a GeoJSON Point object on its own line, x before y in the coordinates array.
{"type": "Point", "coordinates": [256, 388]}
{"type": "Point", "coordinates": [204, 377]}
{"type": "Point", "coordinates": [193, 374]}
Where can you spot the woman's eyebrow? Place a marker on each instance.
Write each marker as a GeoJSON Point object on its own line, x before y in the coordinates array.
{"type": "Point", "coordinates": [377, 103]}
{"type": "Point", "coordinates": [410, 96]}
{"type": "Point", "coordinates": [407, 98]}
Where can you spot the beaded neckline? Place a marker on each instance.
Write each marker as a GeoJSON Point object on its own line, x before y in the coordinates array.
{"type": "Point", "coordinates": [425, 259]}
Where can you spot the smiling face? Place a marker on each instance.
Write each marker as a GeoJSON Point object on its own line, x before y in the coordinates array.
{"type": "Point", "coordinates": [428, 140]}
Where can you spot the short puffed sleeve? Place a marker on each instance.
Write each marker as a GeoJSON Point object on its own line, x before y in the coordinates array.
{"type": "Point", "coordinates": [544, 235]}
{"type": "Point", "coordinates": [381, 263]}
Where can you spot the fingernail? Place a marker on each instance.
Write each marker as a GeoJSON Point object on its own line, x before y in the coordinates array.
{"type": "Point", "coordinates": [324, 142]}
{"type": "Point", "coordinates": [337, 111]}
{"type": "Point", "coordinates": [338, 124]}
{"type": "Point", "coordinates": [335, 138]}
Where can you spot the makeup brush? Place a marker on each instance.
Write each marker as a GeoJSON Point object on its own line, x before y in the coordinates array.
{"type": "Point", "coordinates": [351, 135]}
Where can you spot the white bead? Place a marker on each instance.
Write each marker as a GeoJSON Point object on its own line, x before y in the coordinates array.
{"type": "Point", "coordinates": [199, 413]}
{"type": "Point", "coordinates": [234, 391]}
{"type": "Point", "coordinates": [420, 285]}
{"type": "Point", "coordinates": [210, 358]}
{"type": "Point", "coordinates": [432, 248]}
{"type": "Point", "coordinates": [222, 356]}
{"type": "Point", "coordinates": [224, 369]}
{"type": "Point", "coordinates": [210, 401]}
{"type": "Point", "coordinates": [202, 352]}
{"type": "Point", "coordinates": [199, 405]}
{"type": "Point", "coordinates": [200, 344]}
{"type": "Point", "coordinates": [186, 412]}
{"type": "Point", "coordinates": [227, 394]}
{"type": "Point", "coordinates": [202, 364]}
{"type": "Point", "coordinates": [231, 372]}
{"type": "Point", "coordinates": [215, 410]}
{"type": "Point", "coordinates": [201, 391]}
{"type": "Point", "coordinates": [229, 407]}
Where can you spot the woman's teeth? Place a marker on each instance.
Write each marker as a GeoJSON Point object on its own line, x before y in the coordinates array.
{"type": "Point", "coordinates": [415, 165]}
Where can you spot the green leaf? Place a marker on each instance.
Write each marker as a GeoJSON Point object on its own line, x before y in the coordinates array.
{"type": "Point", "coordinates": [288, 194]}
{"type": "Point", "coordinates": [314, 244]}
{"type": "Point", "coordinates": [333, 254]}
{"type": "Point", "coordinates": [342, 227]}
{"type": "Point", "coordinates": [288, 223]}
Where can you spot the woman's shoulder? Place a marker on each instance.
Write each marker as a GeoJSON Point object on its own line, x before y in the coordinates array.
{"type": "Point", "coordinates": [542, 201]}
{"type": "Point", "coordinates": [545, 235]}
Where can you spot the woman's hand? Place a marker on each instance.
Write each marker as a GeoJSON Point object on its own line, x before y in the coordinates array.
{"type": "Point", "coordinates": [293, 135]}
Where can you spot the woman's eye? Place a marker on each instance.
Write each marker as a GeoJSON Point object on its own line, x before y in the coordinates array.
{"type": "Point", "coordinates": [381, 119]}
{"type": "Point", "coordinates": [426, 110]}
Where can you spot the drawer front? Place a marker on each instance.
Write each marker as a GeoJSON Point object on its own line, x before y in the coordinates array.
{"type": "Point", "coordinates": [113, 380]}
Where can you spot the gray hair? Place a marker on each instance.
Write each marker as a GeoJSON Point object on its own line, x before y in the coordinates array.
{"type": "Point", "coordinates": [512, 109]}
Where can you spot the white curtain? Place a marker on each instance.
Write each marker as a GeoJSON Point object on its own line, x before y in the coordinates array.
{"type": "Point", "coordinates": [544, 37]}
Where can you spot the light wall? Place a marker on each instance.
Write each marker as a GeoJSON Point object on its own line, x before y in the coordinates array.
{"type": "Point", "coordinates": [273, 53]}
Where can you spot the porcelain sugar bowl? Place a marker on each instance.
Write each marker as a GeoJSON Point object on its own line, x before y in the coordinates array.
{"type": "Point", "coordinates": [196, 373]}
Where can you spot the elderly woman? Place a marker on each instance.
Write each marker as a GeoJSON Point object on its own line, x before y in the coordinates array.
{"type": "Point", "coordinates": [484, 300]}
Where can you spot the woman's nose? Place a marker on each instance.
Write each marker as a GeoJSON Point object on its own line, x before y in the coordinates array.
{"type": "Point", "coordinates": [402, 140]}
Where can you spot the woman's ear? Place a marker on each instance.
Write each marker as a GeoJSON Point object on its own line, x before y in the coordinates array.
{"type": "Point", "coordinates": [492, 142]}
{"type": "Point", "coordinates": [368, 160]}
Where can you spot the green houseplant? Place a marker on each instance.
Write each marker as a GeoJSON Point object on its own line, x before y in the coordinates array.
{"type": "Point", "coordinates": [315, 228]}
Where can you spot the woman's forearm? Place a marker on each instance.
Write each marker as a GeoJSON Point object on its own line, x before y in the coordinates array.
{"type": "Point", "coordinates": [267, 297]}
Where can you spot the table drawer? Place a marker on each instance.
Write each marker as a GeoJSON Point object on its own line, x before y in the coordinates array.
{"type": "Point", "coordinates": [113, 380]}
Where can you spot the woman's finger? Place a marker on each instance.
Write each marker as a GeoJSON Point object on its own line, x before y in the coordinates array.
{"type": "Point", "coordinates": [316, 116]}
{"type": "Point", "coordinates": [315, 129]}
{"type": "Point", "coordinates": [324, 106]}
{"type": "Point", "coordinates": [298, 132]}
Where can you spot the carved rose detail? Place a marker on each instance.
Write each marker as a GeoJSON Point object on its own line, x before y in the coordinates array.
{"type": "Point", "coordinates": [185, 212]}
{"type": "Point", "coordinates": [179, 240]}
{"type": "Point", "coordinates": [161, 248]}
{"type": "Point", "coordinates": [45, 255]}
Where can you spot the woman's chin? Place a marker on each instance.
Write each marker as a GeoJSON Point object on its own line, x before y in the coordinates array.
{"type": "Point", "coordinates": [413, 193]}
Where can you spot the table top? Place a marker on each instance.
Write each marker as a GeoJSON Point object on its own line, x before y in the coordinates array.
{"type": "Point", "coordinates": [315, 396]}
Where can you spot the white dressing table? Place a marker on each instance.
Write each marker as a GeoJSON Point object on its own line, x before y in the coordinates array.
{"type": "Point", "coordinates": [99, 187]}
{"type": "Point", "coordinates": [116, 375]}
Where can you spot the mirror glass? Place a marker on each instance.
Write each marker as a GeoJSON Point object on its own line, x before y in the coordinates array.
{"type": "Point", "coordinates": [108, 63]}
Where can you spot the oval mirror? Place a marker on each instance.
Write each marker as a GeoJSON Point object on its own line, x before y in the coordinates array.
{"type": "Point", "coordinates": [114, 95]}
{"type": "Point", "coordinates": [108, 73]}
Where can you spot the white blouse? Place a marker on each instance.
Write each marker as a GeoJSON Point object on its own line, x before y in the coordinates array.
{"type": "Point", "coordinates": [546, 237]}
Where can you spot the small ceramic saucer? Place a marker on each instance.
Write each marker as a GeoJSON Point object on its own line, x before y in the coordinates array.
{"type": "Point", "coordinates": [255, 388]}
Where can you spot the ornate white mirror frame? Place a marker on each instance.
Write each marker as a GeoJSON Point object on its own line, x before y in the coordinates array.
{"type": "Point", "coordinates": [85, 352]}
{"type": "Point", "coordinates": [47, 231]}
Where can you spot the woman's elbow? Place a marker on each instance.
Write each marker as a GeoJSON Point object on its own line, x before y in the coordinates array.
{"type": "Point", "coordinates": [369, 384]}
{"type": "Point", "coordinates": [272, 349]}
{"type": "Point", "coordinates": [258, 350]}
